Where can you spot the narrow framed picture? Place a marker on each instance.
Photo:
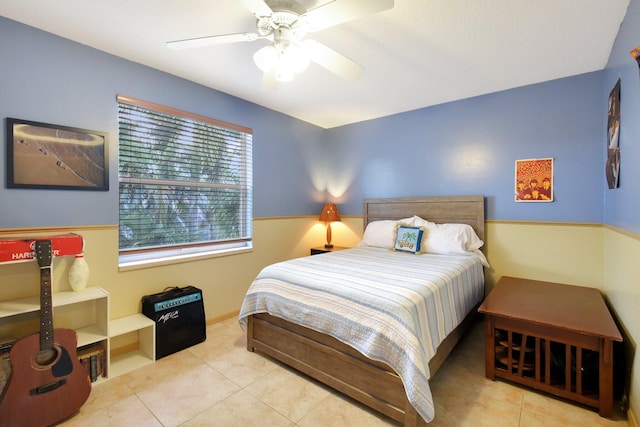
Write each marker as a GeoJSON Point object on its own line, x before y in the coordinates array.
{"type": "Point", "coordinates": [612, 168]}
{"type": "Point", "coordinates": [47, 156]}
{"type": "Point", "coordinates": [534, 180]}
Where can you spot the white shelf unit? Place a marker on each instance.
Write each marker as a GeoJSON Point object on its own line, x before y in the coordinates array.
{"type": "Point", "coordinates": [87, 312]}
{"type": "Point", "coordinates": [146, 352]}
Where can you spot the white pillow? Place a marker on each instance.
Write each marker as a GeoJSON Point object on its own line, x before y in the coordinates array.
{"type": "Point", "coordinates": [448, 238]}
{"type": "Point", "coordinates": [420, 222]}
{"type": "Point", "coordinates": [382, 234]}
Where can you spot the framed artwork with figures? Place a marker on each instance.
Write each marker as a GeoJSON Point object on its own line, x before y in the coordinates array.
{"type": "Point", "coordinates": [534, 180]}
{"type": "Point", "coordinates": [612, 168]}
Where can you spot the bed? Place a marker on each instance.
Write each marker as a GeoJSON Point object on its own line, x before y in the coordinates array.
{"type": "Point", "coordinates": [334, 353]}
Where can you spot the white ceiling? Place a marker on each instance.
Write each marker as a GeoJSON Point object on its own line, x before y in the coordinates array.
{"type": "Point", "coordinates": [418, 54]}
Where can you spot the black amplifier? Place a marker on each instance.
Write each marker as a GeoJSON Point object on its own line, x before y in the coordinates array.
{"type": "Point", "coordinates": [179, 316]}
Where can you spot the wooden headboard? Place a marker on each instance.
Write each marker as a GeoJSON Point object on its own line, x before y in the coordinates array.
{"type": "Point", "coordinates": [445, 209]}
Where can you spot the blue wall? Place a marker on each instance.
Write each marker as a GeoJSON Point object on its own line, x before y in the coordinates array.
{"type": "Point", "coordinates": [622, 205]}
{"type": "Point", "coordinates": [470, 147]}
{"type": "Point", "coordinates": [463, 147]}
{"type": "Point", "coordinates": [53, 80]}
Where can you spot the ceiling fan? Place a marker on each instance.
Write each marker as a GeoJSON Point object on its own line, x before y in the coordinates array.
{"type": "Point", "coordinates": [286, 23]}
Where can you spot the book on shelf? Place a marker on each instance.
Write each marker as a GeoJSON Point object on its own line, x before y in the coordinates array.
{"type": "Point", "coordinates": [5, 362]}
{"type": "Point", "coordinates": [5, 346]}
{"type": "Point", "coordinates": [92, 357]}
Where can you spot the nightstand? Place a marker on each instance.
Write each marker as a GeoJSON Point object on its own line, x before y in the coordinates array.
{"type": "Point", "coordinates": [322, 249]}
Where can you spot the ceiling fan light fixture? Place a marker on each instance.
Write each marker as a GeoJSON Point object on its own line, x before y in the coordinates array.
{"type": "Point", "coordinates": [266, 58]}
{"type": "Point", "coordinates": [284, 62]}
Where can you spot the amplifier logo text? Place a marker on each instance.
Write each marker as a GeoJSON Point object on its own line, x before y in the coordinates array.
{"type": "Point", "coordinates": [169, 316]}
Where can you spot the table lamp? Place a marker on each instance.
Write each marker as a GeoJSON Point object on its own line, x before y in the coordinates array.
{"type": "Point", "coordinates": [329, 213]}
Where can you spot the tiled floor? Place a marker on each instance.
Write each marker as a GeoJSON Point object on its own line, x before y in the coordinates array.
{"type": "Point", "coordinates": [220, 383]}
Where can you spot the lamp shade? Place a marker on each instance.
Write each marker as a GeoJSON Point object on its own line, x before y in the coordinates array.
{"type": "Point", "coordinates": [266, 58]}
{"type": "Point", "coordinates": [284, 60]}
{"type": "Point", "coordinates": [329, 213]}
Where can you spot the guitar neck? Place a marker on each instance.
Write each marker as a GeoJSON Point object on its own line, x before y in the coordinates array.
{"type": "Point", "coordinates": [46, 308]}
{"type": "Point", "coordinates": [43, 255]}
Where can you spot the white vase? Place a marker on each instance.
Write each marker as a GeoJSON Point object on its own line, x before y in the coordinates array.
{"type": "Point", "coordinates": [79, 273]}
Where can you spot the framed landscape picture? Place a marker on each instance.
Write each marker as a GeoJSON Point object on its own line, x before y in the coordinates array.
{"type": "Point", "coordinates": [41, 155]}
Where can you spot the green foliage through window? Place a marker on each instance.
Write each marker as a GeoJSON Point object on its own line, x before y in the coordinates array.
{"type": "Point", "coordinates": [184, 179]}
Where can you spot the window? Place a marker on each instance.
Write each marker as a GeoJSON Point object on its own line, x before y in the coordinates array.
{"type": "Point", "coordinates": [185, 184]}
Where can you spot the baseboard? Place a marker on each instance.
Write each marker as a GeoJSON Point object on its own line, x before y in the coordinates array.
{"type": "Point", "coordinates": [222, 317]}
{"type": "Point", "coordinates": [633, 420]}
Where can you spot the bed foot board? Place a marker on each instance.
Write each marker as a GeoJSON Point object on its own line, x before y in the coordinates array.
{"type": "Point", "coordinates": [341, 367]}
{"type": "Point", "coordinates": [332, 363]}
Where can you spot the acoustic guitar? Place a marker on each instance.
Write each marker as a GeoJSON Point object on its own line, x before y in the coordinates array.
{"type": "Point", "coordinates": [48, 383]}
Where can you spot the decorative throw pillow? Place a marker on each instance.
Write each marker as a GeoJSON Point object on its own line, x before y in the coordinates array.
{"type": "Point", "coordinates": [408, 238]}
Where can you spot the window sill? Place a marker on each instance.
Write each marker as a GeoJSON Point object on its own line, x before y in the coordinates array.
{"type": "Point", "coordinates": [178, 259]}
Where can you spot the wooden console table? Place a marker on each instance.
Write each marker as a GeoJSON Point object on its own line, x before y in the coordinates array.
{"type": "Point", "coordinates": [551, 337]}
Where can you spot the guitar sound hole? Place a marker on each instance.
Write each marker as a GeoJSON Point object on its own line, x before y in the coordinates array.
{"type": "Point", "coordinates": [46, 357]}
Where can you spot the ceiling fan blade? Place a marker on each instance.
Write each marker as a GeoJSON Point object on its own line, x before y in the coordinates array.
{"type": "Point", "coordinates": [258, 7]}
{"type": "Point", "coordinates": [212, 40]}
{"type": "Point", "coordinates": [333, 61]}
{"type": "Point", "coordinates": [339, 12]}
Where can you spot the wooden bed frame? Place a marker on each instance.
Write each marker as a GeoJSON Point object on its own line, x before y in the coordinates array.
{"type": "Point", "coordinates": [338, 365]}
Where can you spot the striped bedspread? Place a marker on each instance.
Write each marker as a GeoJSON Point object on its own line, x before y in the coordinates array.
{"type": "Point", "coordinates": [392, 307]}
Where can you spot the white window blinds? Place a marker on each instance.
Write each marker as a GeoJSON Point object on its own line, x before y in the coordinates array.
{"type": "Point", "coordinates": [185, 180]}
